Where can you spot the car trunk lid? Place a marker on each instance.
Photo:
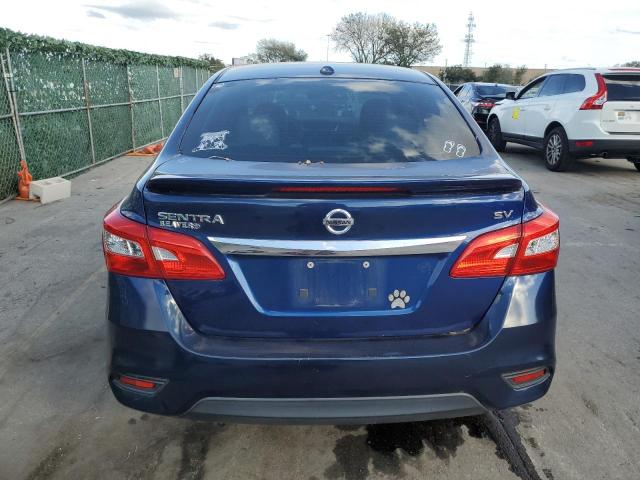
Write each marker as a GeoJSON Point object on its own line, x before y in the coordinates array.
{"type": "Point", "coordinates": [621, 112]}
{"type": "Point", "coordinates": [288, 275]}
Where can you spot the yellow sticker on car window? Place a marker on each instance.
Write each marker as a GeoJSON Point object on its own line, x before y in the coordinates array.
{"type": "Point", "coordinates": [515, 113]}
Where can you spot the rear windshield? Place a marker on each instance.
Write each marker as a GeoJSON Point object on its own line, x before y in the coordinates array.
{"type": "Point", "coordinates": [328, 120]}
{"type": "Point", "coordinates": [623, 87]}
{"type": "Point", "coordinates": [492, 90]}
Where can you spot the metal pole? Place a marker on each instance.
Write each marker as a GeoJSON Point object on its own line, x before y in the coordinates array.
{"type": "Point", "coordinates": [88, 107]}
{"type": "Point", "coordinates": [159, 101]}
{"type": "Point", "coordinates": [13, 105]}
{"type": "Point", "coordinates": [133, 135]}
{"type": "Point", "coordinates": [181, 92]}
{"type": "Point", "coordinates": [328, 37]}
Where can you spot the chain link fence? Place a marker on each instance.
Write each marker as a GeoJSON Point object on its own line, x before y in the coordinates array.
{"type": "Point", "coordinates": [70, 112]}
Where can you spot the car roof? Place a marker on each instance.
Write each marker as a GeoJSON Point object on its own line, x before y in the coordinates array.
{"type": "Point", "coordinates": [595, 70]}
{"type": "Point", "coordinates": [492, 84]}
{"type": "Point", "coordinates": [312, 70]}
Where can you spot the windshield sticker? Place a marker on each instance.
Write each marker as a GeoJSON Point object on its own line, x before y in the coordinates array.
{"type": "Point", "coordinates": [448, 146]}
{"type": "Point", "coordinates": [212, 141]}
{"type": "Point", "coordinates": [461, 150]}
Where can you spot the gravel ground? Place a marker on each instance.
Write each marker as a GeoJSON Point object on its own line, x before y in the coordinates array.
{"type": "Point", "coordinates": [59, 420]}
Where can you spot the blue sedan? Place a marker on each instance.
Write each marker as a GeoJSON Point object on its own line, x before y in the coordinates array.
{"type": "Point", "coordinates": [329, 244]}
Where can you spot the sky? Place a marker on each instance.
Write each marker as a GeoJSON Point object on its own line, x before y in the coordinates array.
{"type": "Point", "coordinates": [553, 33]}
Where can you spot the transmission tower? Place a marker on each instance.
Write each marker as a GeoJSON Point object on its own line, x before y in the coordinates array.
{"type": "Point", "coordinates": [469, 40]}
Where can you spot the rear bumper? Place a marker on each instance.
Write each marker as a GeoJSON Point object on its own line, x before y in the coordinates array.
{"type": "Point", "coordinates": [323, 381]}
{"type": "Point", "coordinates": [480, 118]}
{"type": "Point", "coordinates": [337, 411]}
{"type": "Point", "coordinates": [608, 148]}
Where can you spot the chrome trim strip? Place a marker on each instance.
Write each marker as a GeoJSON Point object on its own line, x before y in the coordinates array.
{"type": "Point", "coordinates": [335, 248]}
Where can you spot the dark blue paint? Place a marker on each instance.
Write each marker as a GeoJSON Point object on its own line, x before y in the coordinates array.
{"type": "Point", "coordinates": [158, 342]}
{"type": "Point", "coordinates": [252, 335]}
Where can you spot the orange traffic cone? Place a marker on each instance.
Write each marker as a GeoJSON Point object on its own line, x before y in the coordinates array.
{"type": "Point", "coordinates": [24, 180]}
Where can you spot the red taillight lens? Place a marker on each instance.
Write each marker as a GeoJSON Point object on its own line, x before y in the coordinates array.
{"type": "Point", "coordinates": [532, 247]}
{"type": "Point", "coordinates": [131, 248]}
{"type": "Point", "coordinates": [489, 255]}
{"type": "Point", "coordinates": [182, 257]}
{"type": "Point", "coordinates": [540, 245]}
{"type": "Point", "coordinates": [486, 104]}
{"type": "Point", "coordinates": [598, 100]}
{"type": "Point", "coordinates": [125, 246]}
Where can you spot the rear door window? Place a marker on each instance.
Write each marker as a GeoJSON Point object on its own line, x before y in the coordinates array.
{"type": "Point", "coordinates": [622, 87]}
{"type": "Point", "coordinates": [553, 86]}
{"type": "Point", "coordinates": [573, 83]}
{"type": "Point", "coordinates": [328, 120]}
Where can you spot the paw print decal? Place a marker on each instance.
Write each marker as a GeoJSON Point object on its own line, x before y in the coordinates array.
{"type": "Point", "coordinates": [399, 299]}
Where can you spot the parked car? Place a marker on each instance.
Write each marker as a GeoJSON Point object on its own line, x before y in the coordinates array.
{"type": "Point", "coordinates": [479, 98]}
{"type": "Point", "coordinates": [573, 114]}
{"type": "Point", "coordinates": [332, 244]}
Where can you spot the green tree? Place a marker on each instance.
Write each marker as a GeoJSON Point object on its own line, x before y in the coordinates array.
{"type": "Point", "coordinates": [457, 74]}
{"type": "Point", "coordinates": [518, 75]}
{"type": "Point", "coordinates": [215, 63]}
{"type": "Point", "coordinates": [498, 74]}
{"type": "Point", "coordinates": [634, 63]}
{"type": "Point", "coordinates": [270, 50]}
{"type": "Point", "coordinates": [409, 44]}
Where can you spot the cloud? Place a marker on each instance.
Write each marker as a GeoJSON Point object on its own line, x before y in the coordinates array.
{"type": "Point", "coordinates": [139, 10]}
{"type": "Point", "coordinates": [95, 14]}
{"type": "Point", "coordinates": [249, 19]}
{"type": "Point", "coordinates": [224, 25]}
{"type": "Point", "coordinates": [631, 32]}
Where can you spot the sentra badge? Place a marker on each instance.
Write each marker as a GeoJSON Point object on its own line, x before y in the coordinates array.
{"type": "Point", "coordinates": [191, 221]}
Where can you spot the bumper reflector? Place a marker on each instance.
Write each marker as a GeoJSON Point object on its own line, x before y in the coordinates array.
{"type": "Point", "coordinates": [527, 378]}
{"type": "Point", "coordinates": [142, 384]}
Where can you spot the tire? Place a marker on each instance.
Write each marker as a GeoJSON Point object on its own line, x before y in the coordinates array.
{"type": "Point", "coordinates": [495, 135]}
{"type": "Point", "coordinates": [635, 161]}
{"type": "Point", "coordinates": [556, 150]}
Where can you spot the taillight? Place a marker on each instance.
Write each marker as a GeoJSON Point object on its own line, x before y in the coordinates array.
{"type": "Point", "coordinates": [181, 256]}
{"type": "Point", "coordinates": [531, 247]}
{"type": "Point", "coordinates": [131, 248]}
{"type": "Point", "coordinates": [488, 105]}
{"type": "Point", "coordinates": [596, 101]}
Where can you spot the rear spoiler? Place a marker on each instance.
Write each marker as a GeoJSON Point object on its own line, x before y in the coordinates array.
{"type": "Point", "coordinates": [201, 185]}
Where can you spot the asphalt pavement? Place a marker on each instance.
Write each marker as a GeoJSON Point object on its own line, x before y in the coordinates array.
{"type": "Point", "coordinates": [58, 419]}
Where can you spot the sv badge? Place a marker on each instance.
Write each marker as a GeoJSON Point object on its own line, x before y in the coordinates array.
{"type": "Point", "coordinates": [502, 214]}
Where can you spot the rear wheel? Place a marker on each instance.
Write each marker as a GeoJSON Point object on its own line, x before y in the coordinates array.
{"type": "Point", "coordinates": [556, 150]}
{"type": "Point", "coordinates": [495, 135]}
{"type": "Point", "coordinates": [635, 161]}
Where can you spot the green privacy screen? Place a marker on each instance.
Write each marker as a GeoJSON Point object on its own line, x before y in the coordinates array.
{"type": "Point", "coordinates": [71, 105]}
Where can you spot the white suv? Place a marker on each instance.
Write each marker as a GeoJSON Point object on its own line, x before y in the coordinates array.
{"type": "Point", "coordinates": [572, 114]}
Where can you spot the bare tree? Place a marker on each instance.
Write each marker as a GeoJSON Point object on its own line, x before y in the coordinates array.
{"type": "Point", "coordinates": [409, 44]}
{"type": "Point", "coordinates": [364, 36]}
{"type": "Point", "coordinates": [270, 50]}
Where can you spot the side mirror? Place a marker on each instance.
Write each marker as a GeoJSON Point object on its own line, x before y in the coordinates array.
{"type": "Point", "coordinates": [511, 95]}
